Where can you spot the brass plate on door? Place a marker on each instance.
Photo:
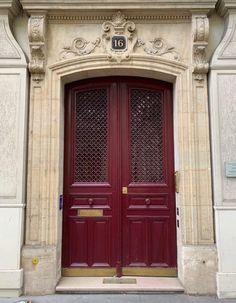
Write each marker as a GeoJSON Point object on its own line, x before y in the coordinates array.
{"type": "Point", "coordinates": [90, 212]}
{"type": "Point", "coordinates": [150, 272]}
{"type": "Point", "coordinates": [126, 271]}
{"type": "Point", "coordinates": [88, 272]}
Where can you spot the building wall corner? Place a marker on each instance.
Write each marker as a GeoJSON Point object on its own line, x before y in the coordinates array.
{"type": "Point", "coordinates": [222, 81]}
{"type": "Point", "coordinates": [13, 122]}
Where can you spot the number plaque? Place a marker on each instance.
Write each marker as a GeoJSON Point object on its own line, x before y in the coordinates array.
{"type": "Point", "coordinates": [230, 169]}
{"type": "Point", "coordinates": [119, 43]}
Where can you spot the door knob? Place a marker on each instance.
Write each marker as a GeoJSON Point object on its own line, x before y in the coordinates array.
{"type": "Point", "coordinates": [90, 201]}
{"type": "Point", "coordinates": [148, 201]}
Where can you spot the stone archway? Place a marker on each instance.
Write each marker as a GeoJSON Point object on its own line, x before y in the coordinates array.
{"type": "Point", "coordinates": [45, 165]}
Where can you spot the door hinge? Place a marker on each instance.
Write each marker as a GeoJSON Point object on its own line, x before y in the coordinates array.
{"type": "Point", "coordinates": [177, 177]}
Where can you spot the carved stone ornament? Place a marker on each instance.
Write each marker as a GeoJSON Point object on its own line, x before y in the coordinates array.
{"type": "Point", "coordinates": [158, 47]}
{"type": "Point", "coordinates": [119, 27]}
{"type": "Point", "coordinates": [36, 31]}
{"type": "Point", "coordinates": [200, 42]}
{"type": "Point", "coordinates": [118, 41]}
{"type": "Point", "coordinates": [79, 47]}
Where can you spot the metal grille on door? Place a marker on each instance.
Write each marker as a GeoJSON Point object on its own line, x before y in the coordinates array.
{"type": "Point", "coordinates": [147, 136]}
{"type": "Point", "coordinates": [91, 136]}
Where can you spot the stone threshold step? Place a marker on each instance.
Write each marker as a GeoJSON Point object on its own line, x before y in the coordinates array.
{"type": "Point", "coordinates": [102, 285]}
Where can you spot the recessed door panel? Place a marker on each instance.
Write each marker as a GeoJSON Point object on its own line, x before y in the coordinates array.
{"type": "Point", "coordinates": [79, 245]}
{"type": "Point", "coordinates": [135, 253]}
{"type": "Point", "coordinates": [119, 210]}
{"type": "Point", "coordinates": [159, 250]}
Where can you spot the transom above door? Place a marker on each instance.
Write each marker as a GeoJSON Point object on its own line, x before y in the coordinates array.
{"type": "Point", "coordinates": [119, 206]}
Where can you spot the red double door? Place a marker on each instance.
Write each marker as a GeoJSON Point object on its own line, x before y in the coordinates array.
{"type": "Point", "coordinates": [119, 201]}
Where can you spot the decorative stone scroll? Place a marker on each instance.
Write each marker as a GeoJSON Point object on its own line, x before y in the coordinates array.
{"type": "Point", "coordinates": [200, 42]}
{"type": "Point", "coordinates": [118, 41]}
{"type": "Point", "coordinates": [79, 47]}
{"type": "Point", "coordinates": [36, 32]}
{"type": "Point", "coordinates": [158, 47]}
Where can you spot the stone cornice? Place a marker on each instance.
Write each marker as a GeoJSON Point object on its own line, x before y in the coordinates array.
{"type": "Point", "coordinates": [117, 4]}
{"type": "Point", "coordinates": [223, 6]}
{"type": "Point", "coordinates": [13, 6]}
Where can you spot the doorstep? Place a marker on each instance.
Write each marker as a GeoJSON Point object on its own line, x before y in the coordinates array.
{"type": "Point", "coordinates": [119, 285]}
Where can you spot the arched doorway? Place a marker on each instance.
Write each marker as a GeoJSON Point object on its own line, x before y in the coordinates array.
{"type": "Point", "coordinates": [119, 209]}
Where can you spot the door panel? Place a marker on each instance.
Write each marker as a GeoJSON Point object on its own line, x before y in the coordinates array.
{"type": "Point", "coordinates": [100, 233]}
{"type": "Point", "coordinates": [159, 254]}
{"type": "Point", "coordinates": [147, 172]}
{"type": "Point", "coordinates": [136, 245]}
{"type": "Point", "coordinates": [90, 186]}
{"type": "Point", "coordinates": [79, 250]}
{"type": "Point", "coordinates": [119, 135]}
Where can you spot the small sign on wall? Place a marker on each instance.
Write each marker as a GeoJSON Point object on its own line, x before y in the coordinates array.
{"type": "Point", "coordinates": [230, 169]}
{"type": "Point", "coordinates": [119, 43]}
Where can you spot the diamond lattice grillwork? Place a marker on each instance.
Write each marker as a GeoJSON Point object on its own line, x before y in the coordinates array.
{"type": "Point", "coordinates": [147, 136]}
{"type": "Point", "coordinates": [91, 136]}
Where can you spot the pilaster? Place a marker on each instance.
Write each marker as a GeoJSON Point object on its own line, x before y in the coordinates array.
{"type": "Point", "coordinates": [202, 195]}
{"type": "Point", "coordinates": [199, 253]}
{"type": "Point", "coordinates": [40, 250]}
{"type": "Point", "coordinates": [36, 150]}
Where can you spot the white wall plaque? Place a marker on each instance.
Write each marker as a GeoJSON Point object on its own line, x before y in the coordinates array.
{"type": "Point", "coordinates": [230, 169]}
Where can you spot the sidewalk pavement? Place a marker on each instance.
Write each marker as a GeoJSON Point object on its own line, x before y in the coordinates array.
{"type": "Point", "coordinates": [117, 298]}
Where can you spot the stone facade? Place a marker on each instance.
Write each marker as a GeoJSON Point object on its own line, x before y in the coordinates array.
{"type": "Point", "coordinates": [13, 125]}
{"type": "Point", "coordinates": [223, 115]}
{"type": "Point", "coordinates": [68, 41]}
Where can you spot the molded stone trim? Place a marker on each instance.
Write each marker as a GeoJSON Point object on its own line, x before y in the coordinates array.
{"type": "Point", "coordinates": [13, 6]}
{"type": "Point", "coordinates": [224, 6]}
{"type": "Point", "coordinates": [98, 4]}
{"type": "Point", "coordinates": [68, 17]}
{"type": "Point", "coordinates": [10, 52]}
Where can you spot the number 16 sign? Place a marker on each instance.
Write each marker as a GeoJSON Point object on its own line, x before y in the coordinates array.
{"type": "Point", "coordinates": [118, 43]}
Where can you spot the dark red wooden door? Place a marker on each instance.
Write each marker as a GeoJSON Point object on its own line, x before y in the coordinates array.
{"type": "Point", "coordinates": [119, 207]}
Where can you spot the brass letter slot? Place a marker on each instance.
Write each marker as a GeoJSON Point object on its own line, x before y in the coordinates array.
{"type": "Point", "coordinates": [90, 213]}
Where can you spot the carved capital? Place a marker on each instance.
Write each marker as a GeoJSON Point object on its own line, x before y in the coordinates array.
{"type": "Point", "coordinates": [200, 27]}
{"type": "Point", "coordinates": [36, 32]}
